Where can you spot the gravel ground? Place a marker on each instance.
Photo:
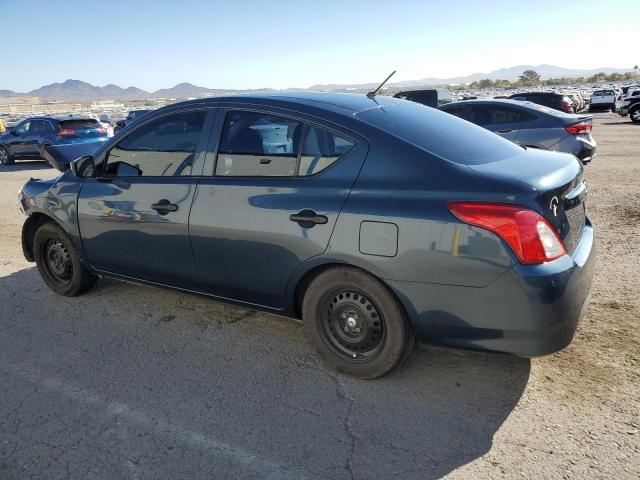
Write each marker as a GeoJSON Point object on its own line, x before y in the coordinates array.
{"type": "Point", "coordinates": [139, 382]}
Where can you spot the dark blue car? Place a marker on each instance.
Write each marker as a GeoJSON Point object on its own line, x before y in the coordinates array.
{"type": "Point", "coordinates": [29, 138]}
{"type": "Point", "coordinates": [376, 221]}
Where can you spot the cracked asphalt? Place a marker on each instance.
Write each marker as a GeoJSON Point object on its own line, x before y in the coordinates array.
{"type": "Point", "coordinates": [133, 382]}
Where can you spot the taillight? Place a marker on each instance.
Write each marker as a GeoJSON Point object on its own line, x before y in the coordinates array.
{"type": "Point", "coordinates": [528, 234]}
{"type": "Point", "coordinates": [576, 128]}
{"type": "Point", "coordinates": [566, 106]}
{"type": "Point", "coordinates": [66, 132]}
{"type": "Point", "coordinates": [102, 130]}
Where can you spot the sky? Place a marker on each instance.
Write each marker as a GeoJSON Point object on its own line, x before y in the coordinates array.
{"type": "Point", "coordinates": [154, 44]}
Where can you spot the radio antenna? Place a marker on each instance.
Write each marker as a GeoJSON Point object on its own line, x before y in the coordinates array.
{"type": "Point", "coordinates": [373, 94]}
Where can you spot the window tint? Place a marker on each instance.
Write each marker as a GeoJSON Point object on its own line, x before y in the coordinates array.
{"type": "Point", "coordinates": [38, 127]}
{"type": "Point", "coordinates": [497, 115]}
{"type": "Point", "coordinates": [80, 124]}
{"type": "Point", "coordinates": [257, 144]}
{"type": "Point", "coordinates": [23, 127]}
{"type": "Point", "coordinates": [461, 112]}
{"type": "Point", "coordinates": [163, 147]}
{"type": "Point", "coordinates": [320, 149]}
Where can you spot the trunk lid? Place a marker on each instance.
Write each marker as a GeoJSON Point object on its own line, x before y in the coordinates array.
{"type": "Point", "coordinates": [558, 180]}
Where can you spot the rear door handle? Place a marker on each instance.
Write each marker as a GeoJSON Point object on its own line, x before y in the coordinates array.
{"type": "Point", "coordinates": [308, 218]}
{"type": "Point", "coordinates": [504, 130]}
{"type": "Point", "coordinates": [164, 206]}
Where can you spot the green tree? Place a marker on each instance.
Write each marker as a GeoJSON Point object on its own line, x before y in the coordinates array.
{"type": "Point", "coordinates": [530, 77]}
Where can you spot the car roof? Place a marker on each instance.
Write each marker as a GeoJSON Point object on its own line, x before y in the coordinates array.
{"type": "Point", "coordinates": [343, 103]}
{"type": "Point", "coordinates": [515, 103]}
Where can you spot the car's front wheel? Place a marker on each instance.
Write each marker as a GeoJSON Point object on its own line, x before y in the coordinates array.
{"type": "Point", "coordinates": [634, 114]}
{"type": "Point", "coordinates": [58, 262]}
{"type": "Point", "coordinates": [355, 323]}
{"type": "Point", "coordinates": [5, 158]}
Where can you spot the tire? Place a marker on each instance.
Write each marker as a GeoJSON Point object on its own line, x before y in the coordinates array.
{"type": "Point", "coordinates": [634, 115]}
{"type": "Point", "coordinates": [355, 323]}
{"type": "Point", "coordinates": [613, 108]}
{"type": "Point", "coordinates": [58, 262]}
{"type": "Point", "coordinates": [5, 158]}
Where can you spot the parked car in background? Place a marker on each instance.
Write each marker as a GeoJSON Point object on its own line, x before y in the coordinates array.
{"type": "Point", "coordinates": [553, 100]}
{"type": "Point", "coordinates": [631, 106]}
{"type": "Point", "coordinates": [429, 97]}
{"type": "Point", "coordinates": [603, 100]}
{"type": "Point", "coordinates": [131, 117]}
{"type": "Point", "coordinates": [530, 125]}
{"type": "Point", "coordinates": [30, 136]}
{"type": "Point", "coordinates": [374, 220]}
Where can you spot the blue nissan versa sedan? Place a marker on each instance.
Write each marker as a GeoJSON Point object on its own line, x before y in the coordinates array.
{"type": "Point", "coordinates": [375, 220]}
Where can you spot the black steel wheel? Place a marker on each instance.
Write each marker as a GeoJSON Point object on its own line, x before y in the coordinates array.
{"type": "Point", "coordinates": [356, 323]}
{"type": "Point", "coordinates": [353, 325]}
{"type": "Point", "coordinates": [58, 262]}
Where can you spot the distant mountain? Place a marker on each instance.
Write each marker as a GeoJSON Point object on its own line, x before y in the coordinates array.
{"type": "Point", "coordinates": [182, 90]}
{"type": "Point", "coordinates": [78, 90]}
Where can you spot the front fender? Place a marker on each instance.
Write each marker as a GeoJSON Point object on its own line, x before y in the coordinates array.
{"type": "Point", "coordinates": [51, 200]}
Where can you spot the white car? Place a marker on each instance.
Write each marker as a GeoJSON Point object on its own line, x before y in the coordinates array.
{"type": "Point", "coordinates": [604, 100]}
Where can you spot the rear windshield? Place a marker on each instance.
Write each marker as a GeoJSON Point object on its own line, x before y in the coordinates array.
{"type": "Point", "coordinates": [440, 133]}
{"type": "Point", "coordinates": [79, 124]}
{"type": "Point", "coordinates": [603, 93]}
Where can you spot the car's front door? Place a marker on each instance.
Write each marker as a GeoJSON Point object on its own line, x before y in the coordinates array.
{"type": "Point", "coordinates": [274, 189]}
{"type": "Point", "coordinates": [134, 216]}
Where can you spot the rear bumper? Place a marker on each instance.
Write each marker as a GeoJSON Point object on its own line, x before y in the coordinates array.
{"type": "Point", "coordinates": [531, 310]}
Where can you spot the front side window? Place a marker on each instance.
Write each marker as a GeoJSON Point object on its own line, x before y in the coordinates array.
{"type": "Point", "coordinates": [258, 144]}
{"type": "Point", "coordinates": [23, 127]}
{"type": "Point", "coordinates": [263, 145]}
{"type": "Point", "coordinates": [163, 147]}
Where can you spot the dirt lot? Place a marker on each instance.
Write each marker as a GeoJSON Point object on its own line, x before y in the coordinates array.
{"type": "Point", "coordinates": [138, 382]}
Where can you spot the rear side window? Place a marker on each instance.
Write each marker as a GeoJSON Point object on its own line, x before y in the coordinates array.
{"type": "Point", "coordinates": [440, 134]}
{"type": "Point", "coordinates": [321, 148]}
{"type": "Point", "coordinates": [460, 112]}
{"type": "Point", "coordinates": [498, 115]}
{"type": "Point", "coordinates": [165, 146]}
{"type": "Point", "coordinates": [79, 124]}
{"type": "Point", "coordinates": [263, 145]}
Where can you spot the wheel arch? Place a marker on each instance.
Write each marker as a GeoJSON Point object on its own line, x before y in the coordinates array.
{"type": "Point", "coordinates": [304, 279]}
{"type": "Point", "coordinates": [29, 229]}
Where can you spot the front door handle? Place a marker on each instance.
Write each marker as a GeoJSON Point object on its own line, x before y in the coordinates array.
{"type": "Point", "coordinates": [308, 218]}
{"type": "Point", "coordinates": [504, 130]}
{"type": "Point", "coordinates": [164, 206]}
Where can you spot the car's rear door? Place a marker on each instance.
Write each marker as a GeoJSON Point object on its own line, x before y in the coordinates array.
{"type": "Point", "coordinates": [134, 216]}
{"type": "Point", "coordinates": [273, 188]}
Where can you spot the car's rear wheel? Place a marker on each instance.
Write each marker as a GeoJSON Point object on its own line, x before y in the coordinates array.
{"type": "Point", "coordinates": [634, 114]}
{"type": "Point", "coordinates": [5, 158]}
{"type": "Point", "coordinates": [58, 262]}
{"type": "Point", "coordinates": [613, 108]}
{"type": "Point", "coordinates": [355, 323]}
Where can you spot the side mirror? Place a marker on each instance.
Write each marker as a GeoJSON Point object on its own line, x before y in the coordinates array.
{"type": "Point", "coordinates": [83, 167]}
{"type": "Point", "coordinates": [13, 132]}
